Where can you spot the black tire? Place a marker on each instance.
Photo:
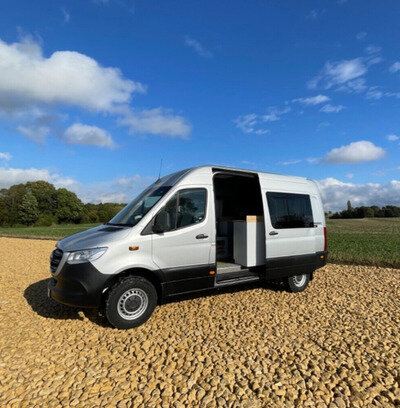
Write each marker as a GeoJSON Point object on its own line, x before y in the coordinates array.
{"type": "Point", "coordinates": [297, 283]}
{"type": "Point", "coordinates": [129, 297]}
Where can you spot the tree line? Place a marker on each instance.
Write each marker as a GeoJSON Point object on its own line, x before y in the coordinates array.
{"type": "Point", "coordinates": [367, 212]}
{"type": "Point", "coordinates": [41, 203]}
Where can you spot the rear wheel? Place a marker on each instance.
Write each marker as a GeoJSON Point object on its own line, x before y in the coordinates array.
{"type": "Point", "coordinates": [130, 302]}
{"type": "Point", "coordinates": [297, 283]}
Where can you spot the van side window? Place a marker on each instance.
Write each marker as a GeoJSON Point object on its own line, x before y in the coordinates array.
{"type": "Point", "coordinates": [187, 207]}
{"type": "Point", "coordinates": [290, 210]}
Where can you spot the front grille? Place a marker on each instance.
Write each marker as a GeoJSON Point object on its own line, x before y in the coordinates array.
{"type": "Point", "coordinates": [55, 259]}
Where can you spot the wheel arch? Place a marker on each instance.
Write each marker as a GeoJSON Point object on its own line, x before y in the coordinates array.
{"type": "Point", "coordinates": [155, 277]}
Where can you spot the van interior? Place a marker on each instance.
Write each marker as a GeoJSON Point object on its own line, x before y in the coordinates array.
{"type": "Point", "coordinates": [237, 199]}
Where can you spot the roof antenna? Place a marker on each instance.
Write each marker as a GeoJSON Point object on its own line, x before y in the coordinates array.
{"type": "Point", "coordinates": [159, 173]}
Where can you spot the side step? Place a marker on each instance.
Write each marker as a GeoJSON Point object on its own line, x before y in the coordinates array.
{"type": "Point", "coordinates": [236, 278]}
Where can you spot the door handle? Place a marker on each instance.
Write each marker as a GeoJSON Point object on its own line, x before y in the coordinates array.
{"type": "Point", "coordinates": [273, 233]}
{"type": "Point", "coordinates": [201, 236]}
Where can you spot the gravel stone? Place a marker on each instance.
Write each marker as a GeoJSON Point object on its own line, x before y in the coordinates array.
{"type": "Point", "coordinates": [335, 345]}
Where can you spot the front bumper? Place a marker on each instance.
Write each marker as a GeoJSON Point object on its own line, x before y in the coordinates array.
{"type": "Point", "coordinates": [78, 285]}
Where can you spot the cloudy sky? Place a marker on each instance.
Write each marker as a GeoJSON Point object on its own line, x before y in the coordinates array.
{"type": "Point", "coordinates": [94, 93]}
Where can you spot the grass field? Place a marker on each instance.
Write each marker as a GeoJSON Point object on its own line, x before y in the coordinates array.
{"type": "Point", "coordinates": [55, 231]}
{"type": "Point", "coordinates": [368, 241]}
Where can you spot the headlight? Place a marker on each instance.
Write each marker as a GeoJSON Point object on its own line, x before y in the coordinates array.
{"type": "Point", "coordinates": [85, 255]}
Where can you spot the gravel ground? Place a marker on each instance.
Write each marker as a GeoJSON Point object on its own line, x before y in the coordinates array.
{"type": "Point", "coordinates": [335, 345]}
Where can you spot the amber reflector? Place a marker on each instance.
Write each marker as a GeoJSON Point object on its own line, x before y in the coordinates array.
{"type": "Point", "coordinates": [133, 248]}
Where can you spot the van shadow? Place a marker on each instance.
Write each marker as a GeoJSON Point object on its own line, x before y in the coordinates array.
{"type": "Point", "coordinates": [271, 285]}
{"type": "Point", "coordinates": [36, 296]}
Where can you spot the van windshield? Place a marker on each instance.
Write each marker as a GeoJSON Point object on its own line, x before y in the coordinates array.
{"type": "Point", "coordinates": [140, 206]}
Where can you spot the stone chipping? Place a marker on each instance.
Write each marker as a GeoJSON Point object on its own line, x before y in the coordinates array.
{"type": "Point", "coordinates": [335, 345]}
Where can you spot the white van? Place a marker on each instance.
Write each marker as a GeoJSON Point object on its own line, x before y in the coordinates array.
{"type": "Point", "coordinates": [195, 230]}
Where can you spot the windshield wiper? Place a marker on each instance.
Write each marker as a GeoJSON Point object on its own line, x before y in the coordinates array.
{"type": "Point", "coordinates": [119, 224]}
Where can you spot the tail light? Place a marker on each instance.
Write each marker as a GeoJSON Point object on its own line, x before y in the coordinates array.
{"type": "Point", "coordinates": [325, 240]}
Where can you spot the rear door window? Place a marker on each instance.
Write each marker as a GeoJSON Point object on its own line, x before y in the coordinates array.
{"type": "Point", "coordinates": [289, 210]}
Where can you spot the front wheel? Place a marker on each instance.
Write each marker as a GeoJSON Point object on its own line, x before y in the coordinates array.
{"type": "Point", "coordinates": [130, 302]}
{"type": "Point", "coordinates": [297, 283]}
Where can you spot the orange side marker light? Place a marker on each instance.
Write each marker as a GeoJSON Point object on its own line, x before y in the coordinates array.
{"type": "Point", "coordinates": [133, 248]}
{"type": "Point", "coordinates": [212, 272]}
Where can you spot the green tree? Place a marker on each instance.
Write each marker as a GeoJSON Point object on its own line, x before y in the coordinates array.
{"type": "Point", "coordinates": [349, 206]}
{"type": "Point", "coordinates": [69, 207]}
{"type": "Point", "coordinates": [12, 200]}
{"type": "Point", "coordinates": [3, 209]}
{"type": "Point", "coordinates": [46, 195]}
{"type": "Point", "coordinates": [28, 210]}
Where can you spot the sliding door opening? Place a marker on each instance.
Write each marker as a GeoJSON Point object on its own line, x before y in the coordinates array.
{"type": "Point", "coordinates": [239, 220]}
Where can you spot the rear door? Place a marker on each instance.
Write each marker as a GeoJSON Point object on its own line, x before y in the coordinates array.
{"type": "Point", "coordinates": [319, 222]}
{"type": "Point", "coordinates": [289, 224]}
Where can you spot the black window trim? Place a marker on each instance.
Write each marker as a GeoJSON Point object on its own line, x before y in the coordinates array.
{"type": "Point", "coordinates": [284, 193]}
{"type": "Point", "coordinates": [148, 229]}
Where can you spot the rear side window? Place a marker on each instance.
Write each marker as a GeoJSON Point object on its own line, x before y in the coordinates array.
{"type": "Point", "coordinates": [187, 207]}
{"type": "Point", "coordinates": [290, 210]}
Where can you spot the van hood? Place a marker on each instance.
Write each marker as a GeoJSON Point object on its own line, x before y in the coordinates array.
{"type": "Point", "coordinates": [103, 235]}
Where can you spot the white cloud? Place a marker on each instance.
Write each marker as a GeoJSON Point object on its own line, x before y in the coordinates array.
{"type": "Point", "coordinates": [5, 156]}
{"type": "Point", "coordinates": [252, 123]}
{"type": "Point", "coordinates": [311, 160]}
{"type": "Point", "coordinates": [248, 124]}
{"type": "Point", "coordinates": [372, 49]}
{"type": "Point", "coordinates": [274, 114]}
{"type": "Point", "coordinates": [156, 121]}
{"type": "Point", "coordinates": [11, 176]}
{"type": "Point", "coordinates": [315, 14]}
{"type": "Point", "coordinates": [36, 133]}
{"type": "Point", "coordinates": [392, 137]}
{"type": "Point", "coordinates": [338, 73]}
{"type": "Point", "coordinates": [328, 108]}
{"type": "Point", "coordinates": [335, 193]}
{"type": "Point", "coordinates": [80, 134]}
{"type": "Point", "coordinates": [312, 100]}
{"type": "Point", "coordinates": [356, 86]}
{"type": "Point", "coordinates": [361, 35]}
{"type": "Point", "coordinates": [119, 190]}
{"type": "Point", "coordinates": [30, 81]}
{"type": "Point", "coordinates": [355, 152]}
{"type": "Point", "coordinates": [290, 162]}
{"type": "Point", "coordinates": [198, 47]}
{"type": "Point", "coordinates": [66, 77]}
{"type": "Point", "coordinates": [395, 67]}
{"type": "Point", "coordinates": [392, 95]}
{"type": "Point", "coordinates": [66, 15]}
{"type": "Point", "coordinates": [248, 163]}
{"type": "Point", "coordinates": [374, 93]}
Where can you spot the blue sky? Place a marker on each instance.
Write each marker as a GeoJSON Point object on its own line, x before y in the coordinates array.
{"type": "Point", "coordinates": [93, 93]}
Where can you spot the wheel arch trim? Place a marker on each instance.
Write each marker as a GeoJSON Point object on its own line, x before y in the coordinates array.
{"type": "Point", "coordinates": [155, 277]}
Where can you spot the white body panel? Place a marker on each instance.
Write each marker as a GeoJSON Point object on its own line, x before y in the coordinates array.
{"type": "Point", "coordinates": [181, 248]}
{"type": "Point", "coordinates": [292, 241]}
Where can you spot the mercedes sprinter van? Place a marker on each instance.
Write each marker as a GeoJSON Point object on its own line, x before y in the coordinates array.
{"type": "Point", "coordinates": [191, 231]}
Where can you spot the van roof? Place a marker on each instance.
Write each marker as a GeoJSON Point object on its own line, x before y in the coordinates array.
{"type": "Point", "coordinates": [236, 169]}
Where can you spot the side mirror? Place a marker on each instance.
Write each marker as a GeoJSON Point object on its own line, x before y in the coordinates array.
{"type": "Point", "coordinates": [162, 222]}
